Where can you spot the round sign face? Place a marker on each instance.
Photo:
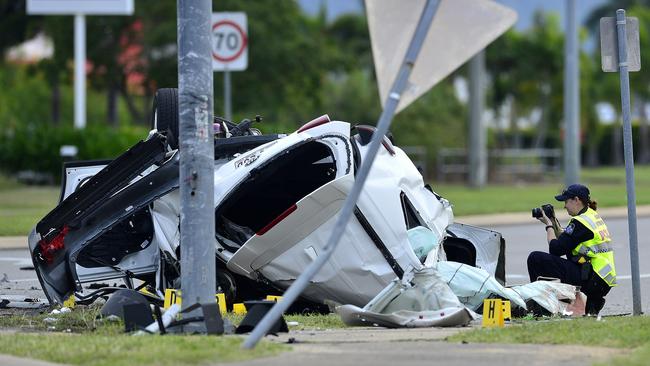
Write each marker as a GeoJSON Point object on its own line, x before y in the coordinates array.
{"type": "Point", "coordinates": [229, 41]}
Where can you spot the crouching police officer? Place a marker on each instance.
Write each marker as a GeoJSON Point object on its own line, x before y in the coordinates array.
{"type": "Point", "coordinates": [585, 242]}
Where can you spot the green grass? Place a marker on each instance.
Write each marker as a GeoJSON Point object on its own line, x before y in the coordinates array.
{"type": "Point", "coordinates": [607, 186]}
{"type": "Point", "coordinates": [79, 338]}
{"type": "Point", "coordinates": [616, 332]}
{"type": "Point", "coordinates": [118, 350]}
{"type": "Point", "coordinates": [21, 206]}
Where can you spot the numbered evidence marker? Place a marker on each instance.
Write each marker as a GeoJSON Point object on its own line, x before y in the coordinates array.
{"type": "Point", "coordinates": [239, 309]}
{"type": "Point", "coordinates": [173, 296]}
{"type": "Point", "coordinates": [505, 306]}
{"type": "Point", "coordinates": [493, 313]}
{"type": "Point", "coordinates": [70, 302]}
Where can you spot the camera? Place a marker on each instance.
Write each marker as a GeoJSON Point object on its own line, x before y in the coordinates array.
{"type": "Point", "coordinates": [548, 210]}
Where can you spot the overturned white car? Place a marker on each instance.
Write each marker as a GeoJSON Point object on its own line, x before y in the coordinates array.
{"type": "Point", "coordinates": [276, 199]}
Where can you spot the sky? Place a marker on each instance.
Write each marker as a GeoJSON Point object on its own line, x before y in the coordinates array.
{"type": "Point", "coordinates": [525, 8]}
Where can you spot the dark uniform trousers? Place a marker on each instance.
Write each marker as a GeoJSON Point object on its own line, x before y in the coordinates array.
{"type": "Point", "coordinates": [541, 264]}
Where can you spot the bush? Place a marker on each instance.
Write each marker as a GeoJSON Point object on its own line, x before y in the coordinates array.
{"type": "Point", "coordinates": [36, 146]}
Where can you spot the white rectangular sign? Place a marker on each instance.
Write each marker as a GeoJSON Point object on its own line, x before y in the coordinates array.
{"type": "Point", "coordinates": [609, 44]}
{"type": "Point", "coordinates": [87, 7]}
{"type": "Point", "coordinates": [229, 41]}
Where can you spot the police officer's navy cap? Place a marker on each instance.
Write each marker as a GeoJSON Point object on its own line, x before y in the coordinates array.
{"type": "Point", "coordinates": [574, 190]}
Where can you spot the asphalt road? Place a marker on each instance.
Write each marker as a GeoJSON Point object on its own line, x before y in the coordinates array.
{"type": "Point", "coordinates": [17, 281]}
{"type": "Point", "coordinates": [522, 239]}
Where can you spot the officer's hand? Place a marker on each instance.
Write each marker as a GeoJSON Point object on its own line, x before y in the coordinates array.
{"type": "Point", "coordinates": [544, 219]}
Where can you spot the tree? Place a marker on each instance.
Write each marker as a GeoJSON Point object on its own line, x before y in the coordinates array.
{"type": "Point", "coordinates": [526, 69]}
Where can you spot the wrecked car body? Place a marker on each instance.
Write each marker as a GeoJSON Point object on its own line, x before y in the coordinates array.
{"type": "Point", "coordinates": [276, 199]}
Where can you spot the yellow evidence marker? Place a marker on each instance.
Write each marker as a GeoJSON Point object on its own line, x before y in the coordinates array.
{"type": "Point", "coordinates": [239, 309]}
{"type": "Point", "coordinates": [70, 302]}
{"type": "Point", "coordinates": [173, 296]}
{"type": "Point", "coordinates": [493, 313]}
{"type": "Point", "coordinates": [505, 306]}
{"type": "Point", "coordinates": [273, 298]}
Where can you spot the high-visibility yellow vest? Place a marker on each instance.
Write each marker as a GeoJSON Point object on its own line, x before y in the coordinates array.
{"type": "Point", "coordinates": [597, 250]}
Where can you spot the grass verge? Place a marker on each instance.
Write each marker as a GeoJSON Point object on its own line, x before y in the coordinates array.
{"type": "Point", "coordinates": [80, 338]}
{"type": "Point", "coordinates": [22, 206]}
{"type": "Point", "coordinates": [122, 349]}
{"type": "Point", "coordinates": [616, 332]}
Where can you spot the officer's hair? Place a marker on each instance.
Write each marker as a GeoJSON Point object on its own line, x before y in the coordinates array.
{"type": "Point", "coordinates": [589, 202]}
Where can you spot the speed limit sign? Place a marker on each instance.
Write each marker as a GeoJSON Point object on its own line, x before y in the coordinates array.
{"type": "Point", "coordinates": [229, 41]}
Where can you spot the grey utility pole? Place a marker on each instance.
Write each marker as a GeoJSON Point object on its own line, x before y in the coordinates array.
{"type": "Point", "coordinates": [623, 68]}
{"type": "Point", "coordinates": [196, 179]}
{"type": "Point", "coordinates": [477, 144]}
{"type": "Point", "coordinates": [227, 98]}
{"type": "Point", "coordinates": [383, 124]}
{"type": "Point", "coordinates": [571, 98]}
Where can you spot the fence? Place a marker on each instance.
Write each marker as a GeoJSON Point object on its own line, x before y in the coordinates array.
{"type": "Point", "coordinates": [503, 164]}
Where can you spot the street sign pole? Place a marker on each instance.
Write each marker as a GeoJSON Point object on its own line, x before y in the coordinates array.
{"type": "Point", "coordinates": [383, 124]}
{"type": "Point", "coordinates": [629, 158]}
{"type": "Point", "coordinates": [477, 148]}
{"type": "Point", "coordinates": [571, 98]}
{"type": "Point", "coordinates": [195, 82]}
{"type": "Point", "coordinates": [79, 71]}
{"type": "Point", "coordinates": [227, 101]}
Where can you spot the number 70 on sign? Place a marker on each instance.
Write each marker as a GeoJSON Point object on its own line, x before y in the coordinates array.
{"type": "Point", "coordinates": [229, 41]}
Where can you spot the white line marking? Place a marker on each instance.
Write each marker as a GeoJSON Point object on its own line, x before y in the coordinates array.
{"type": "Point", "coordinates": [619, 277]}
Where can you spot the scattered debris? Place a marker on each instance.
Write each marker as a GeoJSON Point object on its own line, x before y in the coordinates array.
{"type": "Point", "coordinates": [50, 320]}
{"type": "Point", "coordinates": [22, 302]}
{"type": "Point", "coordinates": [4, 278]}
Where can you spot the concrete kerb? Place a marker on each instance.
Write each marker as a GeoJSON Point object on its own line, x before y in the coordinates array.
{"type": "Point", "coordinates": [13, 242]}
{"type": "Point", "coordinates": [8, 360]}
{"type": "Point", "coordinates": [513, 218]}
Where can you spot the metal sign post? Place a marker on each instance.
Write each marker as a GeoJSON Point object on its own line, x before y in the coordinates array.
{"type": "Point", "coordinates": [229, 50]}
{"type": "Point", "coordinates": [385, 120]}
{"type": "Point", "coordinates": [621, 53]}
{"type": "Point", "coordinates": [80, 9]}
{"type": "Point", "coordinates": [195, 102]}
{"type": "Point", "coordinates": [571, 98]}
{"type": "Point", "coordinates": [477, 148]}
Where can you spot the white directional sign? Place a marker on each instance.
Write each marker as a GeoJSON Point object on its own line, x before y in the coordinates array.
{"type": "Point", "coordinates": [460, 29]}
{"type": "Point", "coordinates": [229, 41]}
{"type": "Point", "coordinates": [88, 7]}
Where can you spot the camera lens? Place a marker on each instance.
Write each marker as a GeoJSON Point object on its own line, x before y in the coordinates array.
{"type": "Point", "coordinates": [537, 212]}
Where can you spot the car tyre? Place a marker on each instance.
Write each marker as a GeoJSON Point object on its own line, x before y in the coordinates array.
{"type": "Point", "coordinates": [164, 116]}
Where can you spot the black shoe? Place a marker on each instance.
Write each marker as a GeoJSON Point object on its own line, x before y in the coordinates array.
{"type": "Point", "coordinates": [536, 309]}
{"type": "Point", "coordinates": [594, 305]}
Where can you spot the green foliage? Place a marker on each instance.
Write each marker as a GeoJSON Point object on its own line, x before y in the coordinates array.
{"type": "Point", "coordinates": [436, 120]}
{"type": "Point", "coordinates": [35, 146]}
